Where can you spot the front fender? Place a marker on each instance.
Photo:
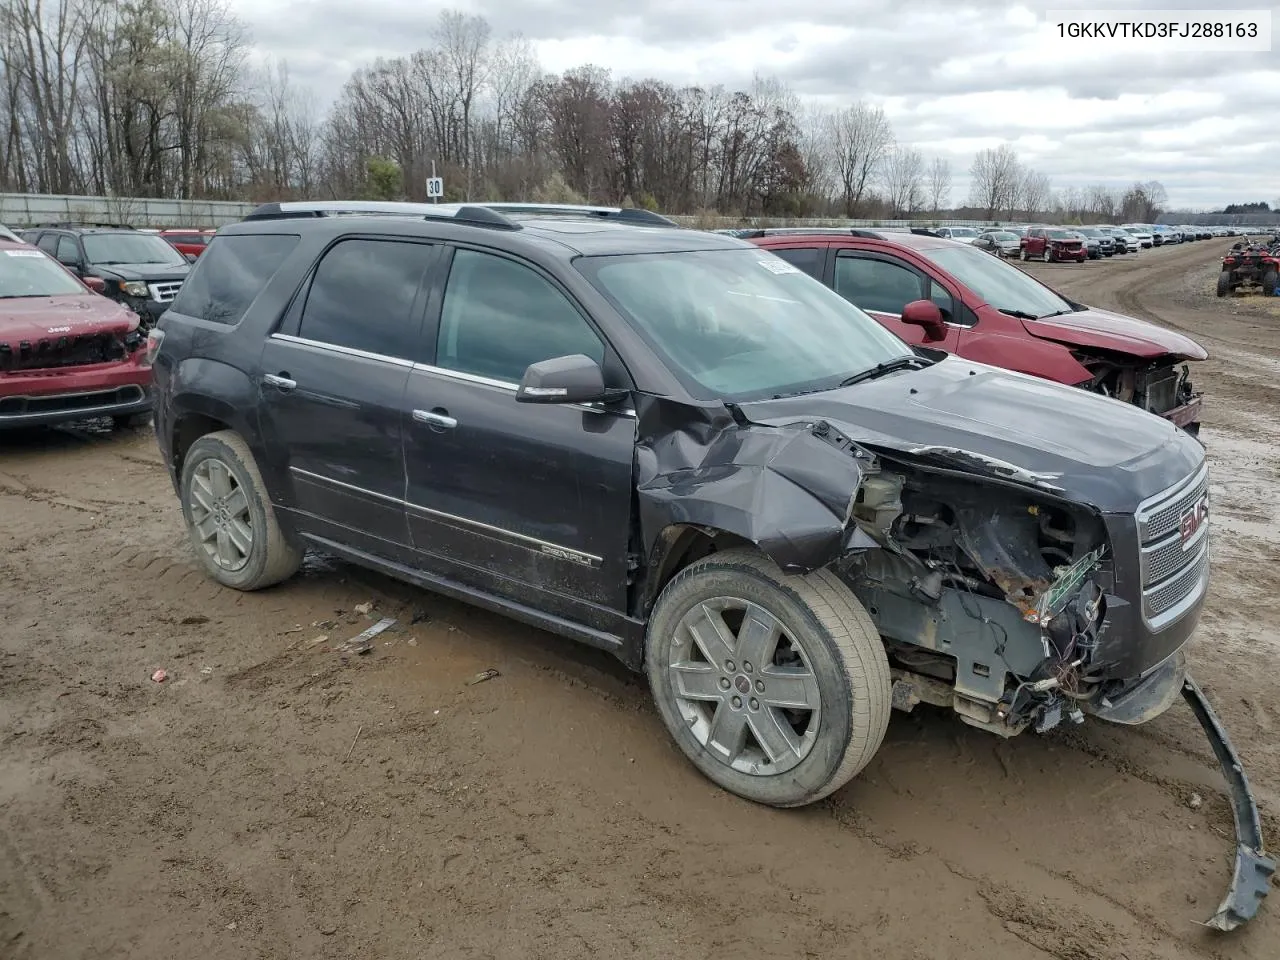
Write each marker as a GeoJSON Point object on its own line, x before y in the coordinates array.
{"type": "Point", "coordinates": [1036, 358]}
{"type": "Point", "coordinates": [787, 489]}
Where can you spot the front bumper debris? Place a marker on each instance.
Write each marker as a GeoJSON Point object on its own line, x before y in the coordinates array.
{"type": "Point", "coordinates": [1253, 869]}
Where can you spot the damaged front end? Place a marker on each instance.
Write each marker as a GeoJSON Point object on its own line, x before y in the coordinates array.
{"type": "Point", "coordinates": [996, 594]}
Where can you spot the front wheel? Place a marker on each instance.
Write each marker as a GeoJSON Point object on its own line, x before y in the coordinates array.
{"type": "Point", "coordinates": [1269, 280]}
{"type": "Point", "coordinates": [1047, 256]}
{"type": "Point", "coordinates": [776, 687]}
{"type": "Point", "coordinates": [229, 516]}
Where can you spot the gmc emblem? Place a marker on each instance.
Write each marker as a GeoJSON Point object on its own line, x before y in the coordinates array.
{"type": "Point", "coordinates": [1196, 516]}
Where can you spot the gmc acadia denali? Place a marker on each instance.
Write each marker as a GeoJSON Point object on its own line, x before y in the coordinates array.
{"type": "Point", "coordinates": [680, 448]}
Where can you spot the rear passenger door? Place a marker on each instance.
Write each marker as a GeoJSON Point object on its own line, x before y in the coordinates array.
{"type": "Point", "coordinates": [332, 383]}
{"type": "Point", "coordinates": [882, 285]}
{"type": "Point", "coordinates": [530, 502]}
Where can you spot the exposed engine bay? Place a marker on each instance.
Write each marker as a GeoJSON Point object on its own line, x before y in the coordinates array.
{"type": "Point", "coordinates": [999, 597]}
{"type": "Point", "coordinates": [1157, 387]}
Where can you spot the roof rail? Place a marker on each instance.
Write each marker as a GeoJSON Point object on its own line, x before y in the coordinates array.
{"type": "Point", "coordinates": [474, 214]}
{"type": "Point", "coordinates": [64, 224]}
{"type": "Point", "coordinates": [747, 233]}
{"type": "Point", "coordinates": [632, 215]}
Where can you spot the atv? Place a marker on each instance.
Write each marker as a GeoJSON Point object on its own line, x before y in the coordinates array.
{"type": "Point", "coordinates": [1249, 267]}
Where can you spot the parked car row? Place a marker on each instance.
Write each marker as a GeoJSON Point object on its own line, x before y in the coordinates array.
{"type": "Point", "coordinates": [797, 479]}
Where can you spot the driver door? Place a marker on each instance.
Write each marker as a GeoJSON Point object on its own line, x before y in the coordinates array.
{"type": "Point", "coordinates": [529, 502]}
{"type": "Point", "coordinates": [882, 285]}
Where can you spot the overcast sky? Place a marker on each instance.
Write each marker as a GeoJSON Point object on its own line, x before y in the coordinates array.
{"type": "Point", "coordinates": [954, 76]}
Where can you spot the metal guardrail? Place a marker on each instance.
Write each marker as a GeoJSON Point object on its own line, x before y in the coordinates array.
{"type": "Point", "coordinates": [25, 209]}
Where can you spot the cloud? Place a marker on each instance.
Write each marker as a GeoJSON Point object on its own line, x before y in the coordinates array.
{"type": "Point", "coordinates": [954, 75]}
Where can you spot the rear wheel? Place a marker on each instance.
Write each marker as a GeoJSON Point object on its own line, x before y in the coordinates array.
{"type": "Point", "coordinates": [1269, 280]}
{"type": "Point", "coordinates": [1022, 254]}
{"type": "Point", "coordinates": [776, 687]}
{"type": "Point", "coordinates": [1224, 283]}
{"type": "Point", "coordinates": [229, 516]}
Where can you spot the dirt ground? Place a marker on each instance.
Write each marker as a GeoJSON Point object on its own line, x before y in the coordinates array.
{"type": "Point", "coordinates": [275, 798]}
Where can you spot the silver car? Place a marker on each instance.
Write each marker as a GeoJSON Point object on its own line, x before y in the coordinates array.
{"type": "Point", "coordinates": [1003, 243]}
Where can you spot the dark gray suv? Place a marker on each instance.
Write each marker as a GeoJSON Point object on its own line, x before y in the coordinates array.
{"type": "Point", "coordinates": [678, 447]}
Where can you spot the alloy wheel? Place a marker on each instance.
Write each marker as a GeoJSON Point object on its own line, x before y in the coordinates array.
{"type": "Point", "coordinates": [220, 514]}
{"type": "Point", "coordinates": [745, 686]}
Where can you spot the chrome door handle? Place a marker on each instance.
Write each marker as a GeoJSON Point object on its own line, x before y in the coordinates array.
{"type": "Point", "coordinates": [284, 383]}
{"type": "Point", "coordinates": [435, 419]}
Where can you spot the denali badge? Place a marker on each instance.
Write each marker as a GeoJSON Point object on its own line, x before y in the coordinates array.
{"type": "Point", "coordinates": [59, 329]}
{"type": "Point", "coordinates": [1195, 517]}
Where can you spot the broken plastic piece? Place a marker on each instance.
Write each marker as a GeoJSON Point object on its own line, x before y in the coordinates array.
{"type": "Point", "coordinates": [160, 676]}
{"type": "Point", "coordinates": [482, 676]}
{"type": "Point", "coordinates": [363, 642]}
{"type": "Point", "coordinates": [1251, 879]}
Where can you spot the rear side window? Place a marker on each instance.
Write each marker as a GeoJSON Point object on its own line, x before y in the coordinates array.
{"type": "Point", "coordinates": [808, 259]}
{"type": "Point", "coordinates": [362, 296]}
{"type": "Point", "coordinates": [500, 316]}
{"type": "Point", "coordinates": [229, 276]}
{"type": "Point", "coordinates": [49, 243]}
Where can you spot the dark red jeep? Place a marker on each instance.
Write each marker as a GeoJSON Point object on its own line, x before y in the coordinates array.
{"type": "Point", "coordinates": [1054, 245]}
{"type": "Point", "coordinates": [950, 296]}
{"type": "Point", "coordinates": [66, 353]}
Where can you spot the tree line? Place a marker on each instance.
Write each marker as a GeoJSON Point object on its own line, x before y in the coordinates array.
{"type": "Point", "coordinates": [160, 98]}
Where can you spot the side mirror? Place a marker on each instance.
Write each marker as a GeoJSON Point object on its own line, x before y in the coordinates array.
{"type": "Point", "coordinates": [96, 284]}
{"type": "Point", "coordinates": [572, 379]}
{"type": "Point", "coordinates": [925, 313]}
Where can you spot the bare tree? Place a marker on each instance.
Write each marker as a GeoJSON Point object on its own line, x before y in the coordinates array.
{"type": "Point", "coordinates": [995, 178]}
{"type": "Point", "coordinates": [904, 180]}
{"type": "Point", "coordinates": [939, 184]}
{"type": "Point", "coordinates": [858, 139]}
{"type": "Point", "coordinates": [1035, 193]}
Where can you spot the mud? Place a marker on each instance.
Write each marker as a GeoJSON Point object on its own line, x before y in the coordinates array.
{"type": "Point", "coordinates": [275, 797]}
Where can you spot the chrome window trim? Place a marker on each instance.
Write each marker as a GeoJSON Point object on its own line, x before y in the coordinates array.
{"type": "Point", "coordinates": [507, 385]}
{"type": "Point", "coordinates": [519, 539]}
{"type": "Point", "coordinates": [345, 351]}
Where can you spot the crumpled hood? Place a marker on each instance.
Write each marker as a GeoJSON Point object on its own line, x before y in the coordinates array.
{"type": "Point", "coordinates": [1115, 331]}
{"type": "Point", "coordinates": [43, 318]}
{"type": "Point", "coordinates": [981, 419]}
{"type": "Point", "coordinates": [143, 271]}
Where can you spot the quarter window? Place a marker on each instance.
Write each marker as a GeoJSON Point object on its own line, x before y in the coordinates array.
{"type": "Point", "coordinates": [49, 244]}
{"type": "Point", "coordinates": [500, 316]}
{"type": "Point", "coordinates": [876, 284]}
{"type": "Point", "coordinates": [363, 294]}
{"type": "Point", "coordinates": [229, 276]}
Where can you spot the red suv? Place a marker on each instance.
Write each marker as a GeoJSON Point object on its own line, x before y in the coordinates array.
{"type": "Point", "coordinates": [1052, 244]}
{"type": "Point", "coordinates": [188, 242]}
{"type": "Point", "coordinates": [66, 353]}
{"type": "Point", "coordinates": [951, 296]}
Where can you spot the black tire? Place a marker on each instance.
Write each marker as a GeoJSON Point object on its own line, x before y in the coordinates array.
{"type": "Point", "coordinates": [844, 656]}
{"type": "Point", "coordinates": [1047, 256]}
{"type": "Point", "coordinates": [1022, 254]}
{"type": "Point", "coordinates": [1224, 283]}
{"type": "Point", "coordinates": [1269, 280]}
{"type": "Point", "coordinates": [270, 558]}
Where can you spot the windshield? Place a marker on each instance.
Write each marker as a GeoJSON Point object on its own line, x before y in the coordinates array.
{"type": "Point", "coordinates": [1003, 236]}
{"type": "Point", "coordinates": [963, 232]}
{"type": "Point", "coordinates": [1089, 232]}
{"type": "Point", "coordinates": [743, 324]}
{"type": "Point", "coordinates": [1003, 286]}
{"type": "Point", "coordinates": [109, 248]}
{"type": "Point", "coordinates": [29, 273]}
{"type": "Point", "coordinates": [1062, 235]}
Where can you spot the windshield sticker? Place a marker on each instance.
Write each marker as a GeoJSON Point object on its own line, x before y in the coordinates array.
{"type": "Point", "coordinates": [778, 265]}
{"type": "Point", "coordinates": [24, 253]}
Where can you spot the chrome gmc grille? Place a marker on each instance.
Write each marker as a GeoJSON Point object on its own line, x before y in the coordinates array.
{"type": "Point", "coordinates": [165, 291]}
{"type": "Point", "coordinates": [1175, 549]}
